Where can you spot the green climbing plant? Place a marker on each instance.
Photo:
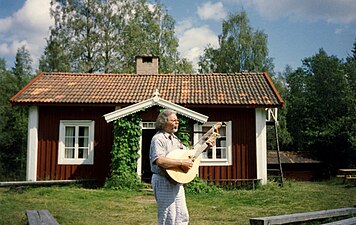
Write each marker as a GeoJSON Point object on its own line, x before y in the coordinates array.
{"type": "Point", "coordinates": [124, 153]}
{"type": "Point", "coordinates": [183, 133]}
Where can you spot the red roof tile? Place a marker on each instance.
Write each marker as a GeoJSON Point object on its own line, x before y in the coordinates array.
{"type": "Point", "coordinates": [247, 89]}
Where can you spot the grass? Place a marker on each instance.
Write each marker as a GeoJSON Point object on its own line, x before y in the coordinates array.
{"type": "Point", "coordinates": [78, 205]}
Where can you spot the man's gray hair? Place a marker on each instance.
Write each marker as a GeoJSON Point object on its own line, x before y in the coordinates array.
{"type": "Point", "coordinates": [162, 118]}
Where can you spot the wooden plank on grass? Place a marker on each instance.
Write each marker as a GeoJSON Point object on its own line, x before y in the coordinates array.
{"type": "Point", "coordinates": [40, 217]}
{"type": "Point", "coordinates": [300, 217]}
{"type": "Point", "coordinates": [349, 221]}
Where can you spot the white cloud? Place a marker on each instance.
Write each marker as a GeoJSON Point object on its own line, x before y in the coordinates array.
{"type": "Point", "coordinates": [193, 40]}
{"type": "Point", "coordinates": [211, 11]}
{"type": "Point", "coordinates": [28, 26]}
{"type": "Point", "coordinates": [5, 24]}
{"type": "Point", "coordinates": [331, 11]}
{"type": "Point", "coordinates": [182, 26]}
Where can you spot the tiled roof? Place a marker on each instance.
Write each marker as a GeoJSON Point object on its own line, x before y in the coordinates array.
{"type": "Point", "coordinates": [246, 89]}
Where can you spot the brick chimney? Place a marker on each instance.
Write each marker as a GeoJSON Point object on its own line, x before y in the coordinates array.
{"type": "Point", "coordinates": [147, 64]}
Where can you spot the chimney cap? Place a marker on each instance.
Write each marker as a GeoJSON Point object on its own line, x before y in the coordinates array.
{"type": "Point", "coordinates": [146, 55]}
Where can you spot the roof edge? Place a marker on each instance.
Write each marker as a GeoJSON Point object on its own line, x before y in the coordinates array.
{"type": "Point", "coordinates": [270, 82]}
{"type": "Point", "coordinates": [24, 88]}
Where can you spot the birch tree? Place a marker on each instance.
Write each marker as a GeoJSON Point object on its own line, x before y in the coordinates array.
{"type": "Point", "coordinates": [240, 48]}
{"type": "Point", "coordinates": [106, 35]}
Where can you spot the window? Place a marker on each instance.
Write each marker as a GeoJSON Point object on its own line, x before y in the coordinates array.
{"type": "Point", "coordinates": [220, 154]}
{"type": "Point", "coordinates": [76, 142]}
{"type": "Point", "coordinates": [148, 125]}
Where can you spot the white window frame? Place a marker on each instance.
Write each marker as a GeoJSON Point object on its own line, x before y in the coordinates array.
{"type": "Point", "coordinates": [214, 161]}
{"type": "Point", "coordinates": [61, 144]}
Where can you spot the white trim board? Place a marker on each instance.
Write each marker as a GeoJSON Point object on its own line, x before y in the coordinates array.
{"type": "Point", "coordinates": [32, 143]}
{"type": "Point", "coordinates": [117, 114]}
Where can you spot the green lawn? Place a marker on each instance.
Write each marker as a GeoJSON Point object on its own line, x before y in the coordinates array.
{"type": "Point", "coordinates": [77, 205]}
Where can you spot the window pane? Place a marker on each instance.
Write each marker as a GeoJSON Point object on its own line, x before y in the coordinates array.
{"type": "Point", "coordinates": [208, 154]}
{"type": "Point", "coordinates": [69, 141]}
{"type": "Point", "coordinates": [69, 136]}
{"type": "Point", "coordinates": [69, 153]}
{"type": "Point", "coordinates": [70, 131]}
{"type": "Point", "coordinates": [83, 131]}
{"type": "Point", "coordinates": [222, 131]}
{"type": "Point", "coordinates": [220, 142]}
{"type": "Point", "coordinates": [83, 138]}
{"type": "Point", "coordinates": [83, 153]}
{"type": "Point", "coordinates": [83, 142]}
{"type": "Point", "coordinates": [221, 153]}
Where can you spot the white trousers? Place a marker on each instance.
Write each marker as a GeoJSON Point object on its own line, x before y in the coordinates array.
{"type": "Point", "coordinates": [171, 204]}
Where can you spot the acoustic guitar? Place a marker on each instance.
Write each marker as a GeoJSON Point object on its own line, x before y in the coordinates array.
{"type": "Point", "coordinates": [177, 174]}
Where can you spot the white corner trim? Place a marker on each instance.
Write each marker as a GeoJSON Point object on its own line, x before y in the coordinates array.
{"type": "Point", "coordinates": [261, 145]}
{"type": "Point", "coordinates": [32, 144]}
{"type": "Point", "coordinates": [109, 117]}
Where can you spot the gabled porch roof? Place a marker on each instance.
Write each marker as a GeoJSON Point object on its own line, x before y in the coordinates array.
{"type": "Point", "coordinates": [156, 100]}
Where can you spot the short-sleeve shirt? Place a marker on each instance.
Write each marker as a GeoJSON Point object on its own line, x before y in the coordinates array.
{"type": "Point", "coordinates": [161, 144]}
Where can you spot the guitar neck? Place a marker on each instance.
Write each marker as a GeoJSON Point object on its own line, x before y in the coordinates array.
{"type": "Point", "coordinates": [200, 149]}
{"type": "Point", "coordinates": [201, 145]}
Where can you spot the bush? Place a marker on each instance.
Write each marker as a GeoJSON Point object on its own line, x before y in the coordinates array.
{"type": "Point", "coordinates": [199, 186]}
{"type": "Point", "coordinates": [125, 181]}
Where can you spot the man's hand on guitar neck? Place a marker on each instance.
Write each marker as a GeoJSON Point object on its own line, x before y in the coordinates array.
{"type": "Point", "coordinates": [211, 140]}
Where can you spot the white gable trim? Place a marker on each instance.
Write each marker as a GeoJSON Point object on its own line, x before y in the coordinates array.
{"type": "Point", "coordinates": [109, 117]}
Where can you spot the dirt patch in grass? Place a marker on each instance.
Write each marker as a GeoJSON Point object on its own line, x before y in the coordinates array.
{"type": "Point", "coordinates": [145, 199]}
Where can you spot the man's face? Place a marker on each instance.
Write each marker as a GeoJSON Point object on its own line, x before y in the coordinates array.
{"type": "Point", "coordinates": [172, 124]}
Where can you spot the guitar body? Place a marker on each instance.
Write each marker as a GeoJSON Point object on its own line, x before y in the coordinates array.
{"type": "Point", "coordinates": [177, 174]}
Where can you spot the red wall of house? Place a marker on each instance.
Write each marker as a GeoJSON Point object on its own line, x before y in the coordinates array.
{"type": "Point", "coordinates": [243, 143]}
{"type": "Point", "coordinates": [48, 135]}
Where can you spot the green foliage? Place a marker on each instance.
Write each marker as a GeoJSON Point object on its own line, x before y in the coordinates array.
{"type": "Point", "coordinates": [352, 57]}
{"type": "Point", "coordinates": [124, 154]}
{"type": "Point", "coordinates": [105, 36]}
{"type": "Point", "coordinates": [124, 181]}
{"type": "Point", "coordinates": [183, 133]}
{"type": "Point", "coordinates": [198, 185]}
{"type": "Point", "coordinates": [321, 110]}
{"type": "Point", "coordinates": [240, 48]}
{"type": "Point", "coordinates": [284, 136]}
{"type": "Point", "coordinates": [13, 122]}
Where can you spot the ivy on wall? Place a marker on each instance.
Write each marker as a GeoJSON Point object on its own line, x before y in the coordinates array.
{"type": "Point", "coordinates": [124, 154]}
{"type": "Point", "coordinates": [183, 134]}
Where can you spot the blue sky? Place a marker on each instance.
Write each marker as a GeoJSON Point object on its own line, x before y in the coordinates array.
{"type": "Point", "coordinates": [296, 29]}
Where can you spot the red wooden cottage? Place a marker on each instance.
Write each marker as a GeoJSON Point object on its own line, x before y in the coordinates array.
{"type": "Point", "coordinates": [70, 135]}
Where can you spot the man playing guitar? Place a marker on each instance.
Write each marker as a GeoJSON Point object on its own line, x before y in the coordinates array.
{"type": "Point", "coordinates": [172, 164]}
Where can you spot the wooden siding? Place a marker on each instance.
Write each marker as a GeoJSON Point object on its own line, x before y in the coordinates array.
{"type": "Point", "coordinates": [48, 135]}
{"type": "Point", "coordinates": [243, 145]}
